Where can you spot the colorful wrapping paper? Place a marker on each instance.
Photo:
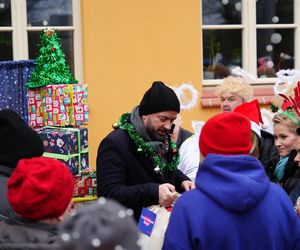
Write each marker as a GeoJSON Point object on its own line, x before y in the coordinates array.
{"type": "Point", "coordinates": [70, 145]}
{"type": "Point", "coordinates": [85, 184]}
{"type": "Point", "coordinates": [58, 105]}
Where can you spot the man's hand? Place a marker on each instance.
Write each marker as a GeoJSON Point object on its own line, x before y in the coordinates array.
{"type": "Point", "coordinates": [187, 185]}
{"type": "Point", "coordinates": [166, 194]}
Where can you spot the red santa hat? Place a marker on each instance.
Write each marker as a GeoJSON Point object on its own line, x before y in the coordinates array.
{"type": "Point", "coordinates": [252, 111]}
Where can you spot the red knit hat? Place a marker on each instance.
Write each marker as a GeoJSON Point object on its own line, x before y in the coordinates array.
{"type": "Point", "coordinates": [40, 188]}
{"type": "Point", "coordinates": [228, 133]}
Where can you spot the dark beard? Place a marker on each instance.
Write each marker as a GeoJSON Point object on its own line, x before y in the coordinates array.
{"type": "Point", "coordinates": [154, 135]}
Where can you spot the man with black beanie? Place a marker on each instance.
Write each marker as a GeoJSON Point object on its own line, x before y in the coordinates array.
{"type": "Point", "coordinates": [18, 141]}
{"type": "Point", "coordinates": [137, 163]}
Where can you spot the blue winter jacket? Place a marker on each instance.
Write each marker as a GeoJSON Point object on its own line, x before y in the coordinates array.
{"type": "Point", "coordinates": [234, 206]}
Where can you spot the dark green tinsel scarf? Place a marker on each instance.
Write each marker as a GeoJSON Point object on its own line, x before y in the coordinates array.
{"type": "Point", "coordinates": [145, 147]}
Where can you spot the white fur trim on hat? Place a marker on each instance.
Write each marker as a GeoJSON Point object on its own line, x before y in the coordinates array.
{"type": "Point", "coordinates": [255, 128]}
{"type": "Point", "coordinates": [267, 117]}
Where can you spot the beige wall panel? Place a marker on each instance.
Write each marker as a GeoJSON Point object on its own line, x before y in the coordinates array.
{"type": "Point", "coordinates": [129, 44]}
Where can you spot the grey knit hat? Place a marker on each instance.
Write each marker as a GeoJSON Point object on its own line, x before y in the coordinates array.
{"type": "Point", "coordinates": [104, 224]}
{"type": "Point", "coordinates": [159, 98]}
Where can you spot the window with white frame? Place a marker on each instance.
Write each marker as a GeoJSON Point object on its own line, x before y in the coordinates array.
{"type": "Point", "coordinates": [21, 22]}
{"type": "Point", "coordinates": [260, 36]}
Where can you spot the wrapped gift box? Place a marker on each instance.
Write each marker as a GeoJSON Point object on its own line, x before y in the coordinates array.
{"type": "Point", "coordinates": [85, 184]}
{"type": "Point", "coordinates": [58, 105]}
{"type": "Point", "coordinates": [69, 145]}
{"type": "Point", "coordinates": [63, 140]}
{"type": "Point", "coordinates": [76, 162]}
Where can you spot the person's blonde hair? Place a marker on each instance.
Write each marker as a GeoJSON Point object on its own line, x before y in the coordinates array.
{"type": "Point", "coordinates": [287, 121]}
{"type": "Point", "coordinates": [255, 145]}
{"type": "Point", "coordinates": [235, 85]}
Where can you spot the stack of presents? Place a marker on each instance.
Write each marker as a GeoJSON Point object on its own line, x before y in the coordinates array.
{"type": "Point", "coordinates": [57, 109]}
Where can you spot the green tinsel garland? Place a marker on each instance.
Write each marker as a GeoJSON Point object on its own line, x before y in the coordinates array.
{"type": "Point", "coordinates": [146, 148]}
{"type": "Point", "coordinates": [274, 108]}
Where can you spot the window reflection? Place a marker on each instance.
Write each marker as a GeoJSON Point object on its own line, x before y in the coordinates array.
{"type": "Point", "coordinates": [274, 11]}
{"type": "Point", "coordinates": [5, 13]}
{"type": "Point", "coordinates": [66, 46]}
{"type": "Point", "coordinates": [275, 51]}
{"type": "Point", "coordinates": [221, 12]}
{"type": "Point", "coordinates": [49, 13]}
{"type": "Point", "coordinates": [222, 50]}
{"type": "Point", "coordinates": [6, 52]}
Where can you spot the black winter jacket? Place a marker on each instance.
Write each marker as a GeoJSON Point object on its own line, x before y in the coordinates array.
{"type": "Point", "coordinates": [5, 173]}
{"type": "Point", "coordinates": [291, 175]}
{"type": "Point", "coordinates": [128, 176]}
{"type": "Point", "coordinates": [183, 134]}
{"type": "Point", "coordinates": [268, 154]}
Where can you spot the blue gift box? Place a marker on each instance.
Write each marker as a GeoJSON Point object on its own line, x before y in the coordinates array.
{"type": "Point", "coordinates": [69, 145]}
{"type": "Point", "coordinates": [76, 162]}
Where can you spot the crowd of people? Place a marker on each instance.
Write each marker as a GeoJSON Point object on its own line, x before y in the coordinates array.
{"type": "Point", "coordinates": [231, 185]}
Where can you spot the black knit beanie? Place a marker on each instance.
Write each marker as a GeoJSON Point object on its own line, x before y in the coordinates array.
{"type": "Point", "coordinates": [159, 98]}
{"type": "Point", "coordinates": [18, 140]}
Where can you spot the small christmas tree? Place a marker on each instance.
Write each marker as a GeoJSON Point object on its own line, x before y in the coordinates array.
{"type": "Point", "coordinates": [51, 66]}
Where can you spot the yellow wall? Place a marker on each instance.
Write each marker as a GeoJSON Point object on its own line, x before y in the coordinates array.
{"type": "Point", "coordinates": [129, 44]}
